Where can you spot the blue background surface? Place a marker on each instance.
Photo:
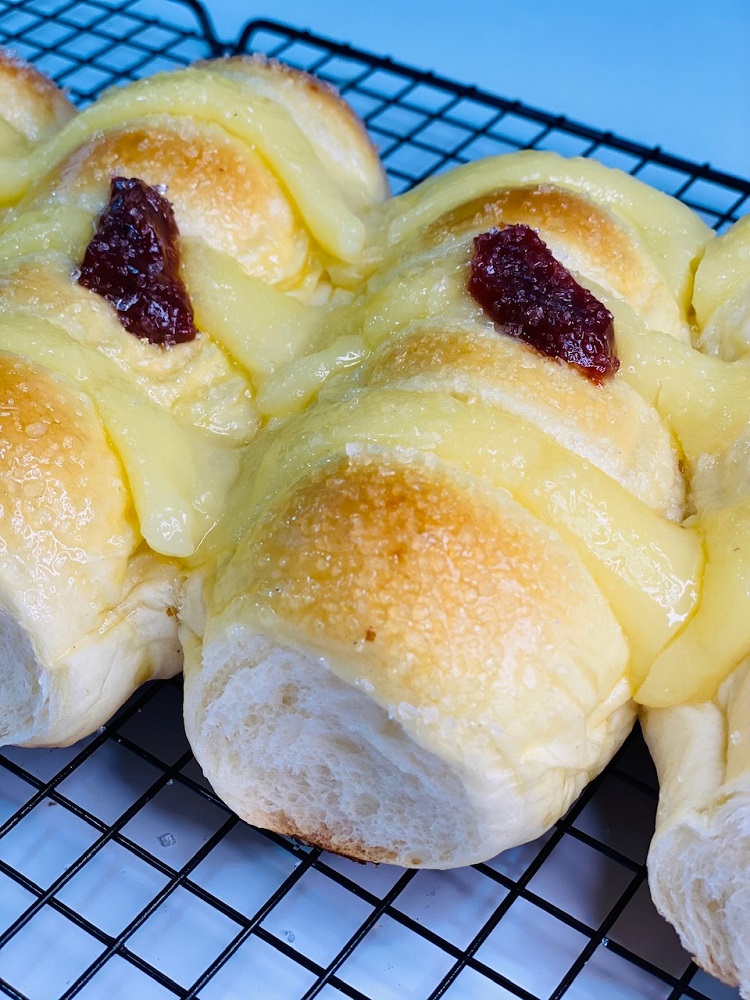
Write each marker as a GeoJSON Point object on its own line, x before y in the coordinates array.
{"type": "Point", "coordinates": [661, 72]}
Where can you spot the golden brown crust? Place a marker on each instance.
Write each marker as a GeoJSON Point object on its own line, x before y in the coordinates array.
{"type": "Point", "coordinates": [32, 103]}
{"type": "Point", "coordinates": [54, 466]}
{"type": "Point", "coordinates": [356, 544]}
{"type": "Point", "coordinates": [66, 522]}
{"type": "Point", "coordinates": [221, 190]}
{"type": "Point", "coordinates": [365, 560]}
{"type": "Point", "coordinates": [328, 839]}
{"type": "Point", "coordinates": [540, 206]}
{"type": "Point", "coordinates": [582, 234]}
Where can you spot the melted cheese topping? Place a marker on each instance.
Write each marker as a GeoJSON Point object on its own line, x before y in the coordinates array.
{"type": "Point", "coordinates": [646, 567]}
{"type": "Point", "coordinates": [680, 593]}
{"type": "Point", "coordinates": [666, 230]}
{"type": "Point", "coordinates": [180, 420]}
{"type": "Point", "coordinates": [179, 476]}
{"type": "Point", "coordinates": [722, 294]}
{"type": "Point", "coordinates": [209, 96]}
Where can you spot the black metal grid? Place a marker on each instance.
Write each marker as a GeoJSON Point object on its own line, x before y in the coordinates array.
{"type": "Point", "coordinates": [424, 124]}
{"type": "Point", "coordinates": [91, 45]}
{"type": "Point", "coordinates": [121, 873]}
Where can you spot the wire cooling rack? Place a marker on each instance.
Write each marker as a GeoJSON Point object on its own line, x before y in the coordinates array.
{"type": "Point", "coordinates": [122, 876]}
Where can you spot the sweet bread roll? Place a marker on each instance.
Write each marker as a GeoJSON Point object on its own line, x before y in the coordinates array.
{"type": "Point", "coordinates": [33, 107]}
{"type": "Point", "coordinates": [159, 262]}
{"type": "Point", "coordinates": [636, 245]}
{"type": "Point", "coordinates": [722, 294]}
{"type": "Point", "coordinates": [86, 610]}
{"type": "Point", "coordinates": [705, 399]}
{"type": "Point", "coordinates": [262, 164]}
{"type": "Point", "coordinates": [436, 589]}
{"type": "Point", "coordinates": [698, 860]}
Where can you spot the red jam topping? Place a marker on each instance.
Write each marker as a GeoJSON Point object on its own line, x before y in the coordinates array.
{"type": "Point", "coordinates": [133, 262]}
{"type": "Point", "coordinates": [527, 292]}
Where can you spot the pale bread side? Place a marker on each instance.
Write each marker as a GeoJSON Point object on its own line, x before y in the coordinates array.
{"type": "Point", "coordinates": [698, 860]}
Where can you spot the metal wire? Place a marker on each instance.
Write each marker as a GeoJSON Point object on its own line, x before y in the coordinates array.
{"type": "Point", "coordinates": [514, 927]}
